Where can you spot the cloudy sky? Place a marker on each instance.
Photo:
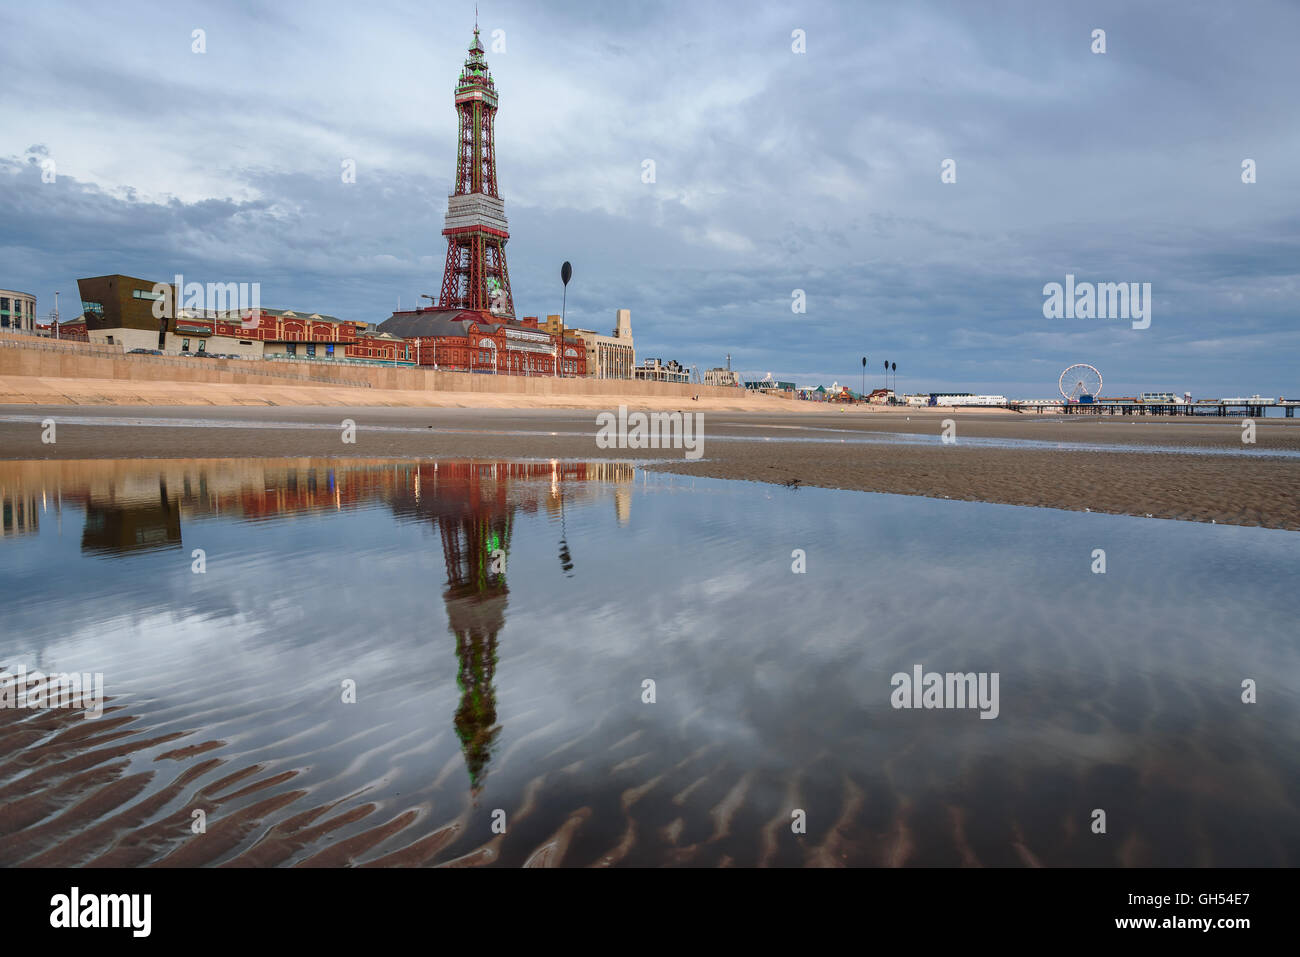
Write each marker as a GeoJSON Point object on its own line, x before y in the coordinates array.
{"type": "Point", "coordinates": [775, 171]}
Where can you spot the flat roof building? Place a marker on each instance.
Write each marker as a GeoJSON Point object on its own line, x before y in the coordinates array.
{"type": "Point", "coordinates": [770, 386]}
{"type": "Point", "coordinates": [608, 357]}
{"type": "Point", "coordinates": [656, 370]}
{"type": "Point", "coordinates": [721, 376]}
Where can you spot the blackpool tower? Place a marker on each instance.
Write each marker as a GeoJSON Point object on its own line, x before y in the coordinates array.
{"type": "Point", "coordinates": [476, 277]}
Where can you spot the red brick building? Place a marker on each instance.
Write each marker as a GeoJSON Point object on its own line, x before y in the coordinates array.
{"type": "Point", "coordinates": [471, 341]}
{"type": "Point", "coordinates": [73, 330]}
{"type": "Point", "coordinates": [285, 332]}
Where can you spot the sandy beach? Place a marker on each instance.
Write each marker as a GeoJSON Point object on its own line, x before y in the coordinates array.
{"type": "Point", "coordinates": [1106, 466]}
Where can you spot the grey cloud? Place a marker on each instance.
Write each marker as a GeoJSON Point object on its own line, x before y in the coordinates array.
{"type": "Point", "coordinates": [774, 171]}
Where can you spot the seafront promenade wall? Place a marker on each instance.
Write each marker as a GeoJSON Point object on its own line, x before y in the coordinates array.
{"type": "Point", "coordinates": [22, 355]}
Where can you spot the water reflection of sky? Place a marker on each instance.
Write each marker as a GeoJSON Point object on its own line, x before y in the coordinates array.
{"type": "Point", "coordinates": [1118, 691]}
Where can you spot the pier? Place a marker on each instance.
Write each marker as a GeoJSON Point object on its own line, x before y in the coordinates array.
{"type": "Point", "coordinates": [1249, 408]}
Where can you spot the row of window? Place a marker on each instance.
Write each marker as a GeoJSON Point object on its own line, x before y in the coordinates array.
{"type": "Point", "coordinates": [386, 354]}
{"type": "Point", "coordinates": [15, 307]}
{"type": "Point", "coordinates": [12, 312]}
{"type": "Point", "coordinates": [291, 349]}
{"type": "Point", "coordinates": [513, 361]}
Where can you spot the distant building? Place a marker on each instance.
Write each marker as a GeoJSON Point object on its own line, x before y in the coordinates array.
{"type": "Point", "coordinates": [608, 357]}
{"type": "Point", "coordinates": [916, 399]}
{"type": "Point", "coordinates": [720, 376]}
{"type": "Point", "coordinates": [656, 370]}
{"type": "Point", "coordinates": [835, 393]}
{"type": "Point", "coordinates": [770, 386]}
{"type": "Point", "coordinates": [17, 311]}
{"type": "Point", "coordinates": [965, 398]}
{"type": "Point", "coordinates": [72, 329]}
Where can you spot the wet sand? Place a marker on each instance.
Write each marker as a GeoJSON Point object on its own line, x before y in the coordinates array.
{"type": "Point", "coordinates": [766, 447]}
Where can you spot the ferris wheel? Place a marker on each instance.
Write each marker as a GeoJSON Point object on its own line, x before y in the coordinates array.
{"type": "Point", "coordinates": [1080, 383]}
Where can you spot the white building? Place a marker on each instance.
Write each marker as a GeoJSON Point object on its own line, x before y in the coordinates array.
{"type": "Point", "coordinates": [720, 376]}
{"type": "Point", "coordinates": [608, 357]}
{"type": "Point", "coordinates": [656, 370]}
{"type": "Point", "coordinates": [959, 399]}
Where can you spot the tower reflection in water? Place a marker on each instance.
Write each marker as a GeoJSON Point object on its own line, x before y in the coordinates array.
{"type": "Point", "coordinates": [473, 505]}
{"type": "Point", "coordinates": [129, 510]}
{"type": "Point", "coordinates": [474, 515]}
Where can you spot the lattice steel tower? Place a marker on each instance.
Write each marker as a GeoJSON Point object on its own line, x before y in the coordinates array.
{"type": "Point", "coordinates": [476, 276]}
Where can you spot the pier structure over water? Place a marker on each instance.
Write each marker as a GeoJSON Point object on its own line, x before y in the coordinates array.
{"type": "Point", "coordinates": [1251, 408]}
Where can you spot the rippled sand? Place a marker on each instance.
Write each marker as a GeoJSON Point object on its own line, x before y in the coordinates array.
{"type": "Point", "coordinates": [71, 796]}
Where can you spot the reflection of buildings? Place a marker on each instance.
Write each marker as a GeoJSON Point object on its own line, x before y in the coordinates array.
{"type": "Point", "coordinates": [132, 524]}
{"type": "Point", "coordinates": [131, 528]}
{"type": "Point", "coordinates": [473, 505]}
{"type": "Point", "coordinates": [149, 507]}
{"type": "Point", "coordinates": [18, 514]}
{"type": "Point", "coordinates": [123, 514]}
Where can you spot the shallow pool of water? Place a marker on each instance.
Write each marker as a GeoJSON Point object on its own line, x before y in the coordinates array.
{"type": "Point", "coordinates": [504, 627]}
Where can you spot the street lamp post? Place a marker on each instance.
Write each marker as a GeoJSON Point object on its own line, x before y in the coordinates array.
{"type": "Point", "coordinates": [566, 273]}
